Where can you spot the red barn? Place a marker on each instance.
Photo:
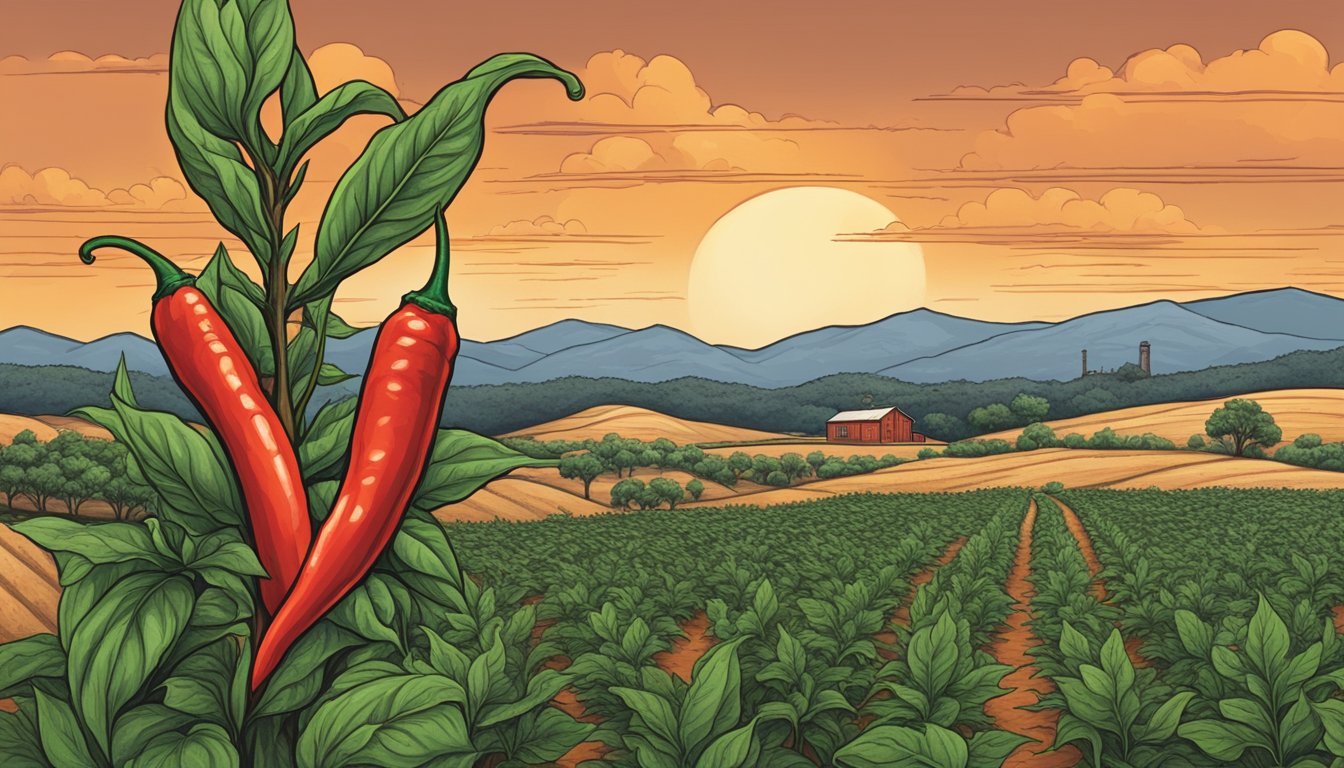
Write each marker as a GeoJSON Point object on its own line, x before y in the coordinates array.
{"type": "Point", "coordinates": [875, 425]}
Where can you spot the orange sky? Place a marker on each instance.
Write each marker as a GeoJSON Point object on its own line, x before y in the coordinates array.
{"type": "Point", "coordinates": [1048, 160]}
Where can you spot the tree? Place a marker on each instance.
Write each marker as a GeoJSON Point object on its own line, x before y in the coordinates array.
{"type": "Point", "coordinates": [650, 458]}
{"type": "Point", "coordinates": [991, 418]}
{"type": "Point", "coordinates": [1241, 424]}
{"type": "Point", "coordinates": [44, 482]}
{"type": "Point", "coordinates": [694, 488]}
{"type": "Point", "coordinates": [668, 490]}
{"type": "Point", "coordinates": [26, 437]}
{"type": "Point", "coordinates": [11, 482]}
{"type": "Point", "coordinates": [122, 495]}
{"type": "Point", "coordinates": [1037, 435]}
{"type": "Point", "coordinates": [1029, 408]}
{"type": "Point", "coordinates": [626, 492]}
{"type": "Point", "coordinates": [1129, 372]}
{"type": "Point", "coordinates": [762, 466]}
{"type": "Point", "coordinates": [777, 479]}
{"type": "Point", "coordinates": [1195, 443]}
{"type": "Point", "coordinates": [815, 459]}
{"type": "Point", "coordinates": [581, 466]}
{"type": "Point", "coordinates": [943, 426]}
{"type": "Point", "coordinates": [794, 466]}
{"type": "Point", "coordinates": [624, 460]}
{"type": "Point", "coordinates": [740, 463]}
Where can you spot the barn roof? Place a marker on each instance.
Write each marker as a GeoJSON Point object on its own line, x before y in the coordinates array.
{"type": "Point", "coordinates": [872, 414]}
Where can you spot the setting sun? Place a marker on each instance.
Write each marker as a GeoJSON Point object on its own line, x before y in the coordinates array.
{"type": "Point", "coordinates": [773, 266]}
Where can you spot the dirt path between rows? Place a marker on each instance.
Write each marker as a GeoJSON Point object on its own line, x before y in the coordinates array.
{"type": "Point", "coordinates": [687, 650]}
{"type": "Point", "coordinates": [1338, 613]}
{"type": "Point", "coordinates": [1075, 525]}
{"type": "Point", "coordinates": [1010, 647]}
{"type": "Point", "coordinates": [901, 615]}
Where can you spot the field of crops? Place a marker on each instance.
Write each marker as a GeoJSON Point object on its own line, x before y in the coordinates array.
{"type": "Point", "coordinates": [1126, 629]}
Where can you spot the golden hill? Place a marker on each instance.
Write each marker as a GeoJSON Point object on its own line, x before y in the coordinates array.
{"type": "Point", "coordinates": [641, 423]}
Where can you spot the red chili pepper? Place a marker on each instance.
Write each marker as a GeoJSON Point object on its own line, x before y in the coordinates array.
{"type": "Point", "coordinates": [399, 408]}
{"type": "Point", "coordinates": [209, 363]}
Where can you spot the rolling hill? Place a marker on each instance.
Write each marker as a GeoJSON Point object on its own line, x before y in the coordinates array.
{"type": "Point", "coordinates": [920, 346]}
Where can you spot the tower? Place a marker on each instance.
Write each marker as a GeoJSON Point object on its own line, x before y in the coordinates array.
{"type": "Point", "coordinates": [1084, 362]}
{"type": "Point", "coordinates": [1145, 357]}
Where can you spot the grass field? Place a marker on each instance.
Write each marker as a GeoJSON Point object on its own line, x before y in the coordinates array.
{"type": "Point", "coordinates": [812, 619]}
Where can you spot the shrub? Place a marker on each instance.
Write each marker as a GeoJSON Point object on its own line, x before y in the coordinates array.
{"type": "Point", "coordinates": [1196, 443]}
{"type": "Point", "coordinates": [928, 453]}
{"type": "Point", "coordinates": [1054, 486]}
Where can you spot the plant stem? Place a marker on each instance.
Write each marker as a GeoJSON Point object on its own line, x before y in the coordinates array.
{"type": "Point", "coordinates": [277, 289]}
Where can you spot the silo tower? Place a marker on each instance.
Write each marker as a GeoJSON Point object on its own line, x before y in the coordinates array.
{"type": "Point", "coordinates": [1145, 357]}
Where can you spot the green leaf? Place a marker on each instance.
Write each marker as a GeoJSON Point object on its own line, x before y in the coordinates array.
{"type": "Point", "coordinates": [1221, 741]}
{"type": "Point", "coordinates": [329, 374]}
{"type": "Point", "coordinates": [121, 383]}
{"type": "Point", "coordinates": [298, 92]}
{"type": "Point", "coordinates": [932, 656]}
{"type": "Point", "coordinates": [887, 746]}
{"type": "Point", "coordinates": [395, 721]}
{"type": "Point", "coordinates": [338, 328]}
{"type": "Point", "coordinates": [239, 301]}
{"type": "Point", "coordinates": [462, 462]}
{"type": "Point", "coordinates": [120, 643]}
{"type": "Point", "coordinates": [1267, 640]}
{"type": "Point", "coordinates": [328, 438]}
{"type": "Point", "coordinates": [409, 172]}
{"type": "Point", "coordinates": [372, 610]}
{"type": "Point", "coordinates": [203, 684]}
{"type": "Point", "coordinates": [730, 750]}
{"type": "Point", "coordinates": [62, 739]}
{"type": "Point", "coordinates": [206, 745]}
{"type": "Point", "coordinates": [713, 703]}
{"type": "Point", "coordinates": [330, 112]}
{"type": "Point", "coordinates": [988, 749]}
{"type": "Point", "coordinates": [141, 726]}
{"type": "Point", "coordinates": [20, 742]}
{"type": "Point", "coordinates": [1163, 722]}
{"type": "Point", "coordinates": [541, 688]}
{"type": "Point", "coordinates": [227, 57]}
{"type": "Point", "coordinates": [98, 543]}
{"type": "Point", "coordinates": [1331, 713]}
{"type": "Point", "coordinates": [654, 710]}
{"type": "Point", "coordinates": [298, 679]}
{"type": "Point", "coordinates": [182, 465]}
{"type": "Point", "coordinates": [546, 736]}
{"type": "Point", "coordinates": [33, 656]}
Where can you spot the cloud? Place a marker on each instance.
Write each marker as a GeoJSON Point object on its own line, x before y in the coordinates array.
{"type": "Point", "coordinates": [1262, 112]}
{"type": "Point", "coordinates": [74, 61]}
{"type": "Point", "coordinates": [542, 226]}
{"type": "Point", "coordinates": [1122, 210]}
{"type": "Point", "coordinates": [684, 152]}
{"type": "Point", "coordinates": [1287, 63]}
{"type": "Point", "coordinates": [55, 187]}
{"type": "Point", "coordinates": [623, 89]}
{"type": "Point", "coordinates": [337, 63]}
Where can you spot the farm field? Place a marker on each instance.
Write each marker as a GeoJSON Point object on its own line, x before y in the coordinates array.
{"type": "Point", "coordinates": [1297, 411]}
{"type": "Point", "coordinates": [852, 630]}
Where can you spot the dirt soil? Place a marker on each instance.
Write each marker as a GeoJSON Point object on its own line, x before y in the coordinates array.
{"type": "Point", "coordinates": [1010, 647]}
{"type": "Point", "coordinates": [687, 650]}
{"type": "Point", "coordinates": [901, 615]}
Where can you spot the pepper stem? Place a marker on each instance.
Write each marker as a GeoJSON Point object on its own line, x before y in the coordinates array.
{"type": "Point", "coordinates": [434, 296]}
{"type": "Point", "coordinates": [168, 275]}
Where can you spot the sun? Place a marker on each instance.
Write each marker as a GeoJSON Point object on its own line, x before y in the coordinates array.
{"type": "Point", "coordinates": [772, 266]}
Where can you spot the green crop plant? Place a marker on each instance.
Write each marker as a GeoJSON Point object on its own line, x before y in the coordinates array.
{"type": "Point", "coordinates": [1117, 715]}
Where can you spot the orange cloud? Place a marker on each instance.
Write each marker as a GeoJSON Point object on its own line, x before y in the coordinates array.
{"type": "Point", "coordinates": [542, 226]}
{"type": "Point", "coordinates": [73, 61]}
{"type": "Point", "coordinates": [1265, 110]}
{"type": "Point", "coordinates": [625, 89]}
{"type": "Point", "coordinates": [1120, 210]}
{"type": "Point", "coordinates": [684, 152]}
{"type": "Point", "coordinates": [57, 188]}
{"type": "Point", "coordinates": [337, 63]}
{"type": "Point", "coordinates": [1287, 62]}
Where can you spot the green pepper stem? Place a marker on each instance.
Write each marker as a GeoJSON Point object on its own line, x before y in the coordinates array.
{"type": "Point", "coordinates": [434, 296]}
{"type": "Point", "coordinates": [168, 275]}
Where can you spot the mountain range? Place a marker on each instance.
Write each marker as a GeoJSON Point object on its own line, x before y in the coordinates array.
{"type": "Point", "coordinates": [921, 346]}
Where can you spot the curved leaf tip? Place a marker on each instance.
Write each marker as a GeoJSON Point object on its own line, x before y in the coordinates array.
{"type": "Point", "coordinates": [507, 66]}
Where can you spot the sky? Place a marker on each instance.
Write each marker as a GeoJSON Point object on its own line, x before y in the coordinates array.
{"type": "Point", "coordinates": [1041, 159]}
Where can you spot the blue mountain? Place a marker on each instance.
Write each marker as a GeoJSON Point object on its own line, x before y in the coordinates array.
{"type": "Point", "coordinates": [920, 346]}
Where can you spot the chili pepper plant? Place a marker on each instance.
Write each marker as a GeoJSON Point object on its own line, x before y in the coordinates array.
{"type": "Point", "coordinates": [293, 601]}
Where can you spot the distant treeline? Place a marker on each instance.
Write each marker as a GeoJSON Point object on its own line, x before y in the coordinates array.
{"type": "Point", "coordinates": [495, 409]}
